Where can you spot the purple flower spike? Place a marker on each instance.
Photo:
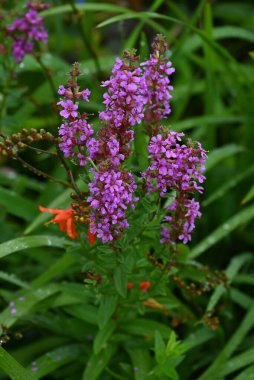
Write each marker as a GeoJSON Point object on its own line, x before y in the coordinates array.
{"type": "Point", "coordinates": [176, 166]}
{"type": "Point", "coordinates": [111, 192]}
{"type": "Point", "coordinates": [27, 29]}
{"type": "Point", "coordinates": [124, 100]}
{"type": "Point", "coordinates": [75, 132]}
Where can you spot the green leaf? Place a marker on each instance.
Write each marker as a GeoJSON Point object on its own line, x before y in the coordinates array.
{"type": "Point", "coordinates": [169, 371]}
{"type": "Point", "coordinates": [21, 243]}
{"type": "Point", "coordinates": [103, 336]}
{"type": "Point", "coordinates": [240, 298]}
{"type": "Point", "coordinates": [146, 327]}
{"type": "Point", "coordinates": [199, 337]}
{"type": "Point", "coordinates": [120, 281]}
{"type": "Point", "coordinates": [106, 309]}
{"type": "Point", "coordinates": [244, 327]}
{"type": "Point", "coordinates": [230, 225]}
{"type": "Point", "coordinates": [233, 268]}
{"type": "Point", "coordinates": [247, 374]}
{"type": "Point", "coordinates": [25, 302]}
{"type": "Point", "coordinates": [17, 205]}
{"type": "Point", "coordinates": [219, 154]}
{"type": "Point", "coordinates": [13, 279]}
{"type": "Point", "coordinates": [57, 358]}
{"type": "Point", "coordinates": [248, 196]}
{"type": "Point", "coordinates": [89, 7]}
{"type": "Point", "coordinates": [159, 348]}
{"type": "Point", "coordinates": [146, 16]}
{"type": "Point", "coordinates": [225, 187]}
{"type": "Point", "coordinates": [140, 143]}
{"type": "Point", "coordinates": [141, 360]}
{"type": "Point", "coordinates": [97, 363]}
{"type": "Point", "coordinates": [211, 120]}
{"type": "Point", "coordinates": [12, 368]}
{"type": "Point", "coordinates": [57, 269]}
{"type": "Point", "coordinates": [131, 40]}
{"type": "Point", "coordinates": [87, 313]}
{"type": "Point", "coordinates": [238, 362]}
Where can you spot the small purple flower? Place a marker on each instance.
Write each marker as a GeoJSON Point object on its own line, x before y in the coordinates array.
{"type": "Point", "coordinates": [69, 109]}
{"type": "Point", "coordinates": [85, 94]}
{"type": "Point", "coordinates": [61, 90]}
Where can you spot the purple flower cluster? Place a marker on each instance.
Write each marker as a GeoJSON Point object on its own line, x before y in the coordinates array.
{"type": "Point", "coordinates": [176, 166]}
{"type": "Point", "coordinates": [124, 100]}
{"type": "Point", "coordinates": [157, 93]}
{"type": "Point", "coordinates": [113, 188]}
{"type": "Point", "coordinates": [183, 212]}
{"type": "Point", "coordinates": [75, 131]}
{"type": "Point", "coordinates": [28, 29]}
{"type": "Point", "coordinates": [111, 193]}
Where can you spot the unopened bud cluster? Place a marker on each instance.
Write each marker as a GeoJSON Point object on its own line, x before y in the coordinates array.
{"type": "Point", "coordinates": [10, 145]}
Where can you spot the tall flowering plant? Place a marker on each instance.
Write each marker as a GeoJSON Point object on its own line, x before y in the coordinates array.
{"type": "Point", "coordinates": [137, 94]}
{"type": "Point", "coordinates": [125, 227]}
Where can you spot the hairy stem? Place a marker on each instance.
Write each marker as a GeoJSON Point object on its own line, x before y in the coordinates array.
{"type": "Point", "coordinates": [42, 174]}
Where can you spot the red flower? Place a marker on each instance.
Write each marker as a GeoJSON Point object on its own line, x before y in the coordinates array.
{"type": "Point", "coordinates": [130, 285]}
{"type": "Point", "coordinates": [91, 235]}
{"type": "Point", "coordinates": [145, 286]}
{"type": "Point", "coordinates": [65, 219]}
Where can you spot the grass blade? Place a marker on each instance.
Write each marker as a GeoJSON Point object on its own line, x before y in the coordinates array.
{"type": "Point", "coordinates": [230, 225]}
{"type": "Point", "coordinates": [13, 368]}
{"type": "Point", "coordinates": [26, 242]}
{"type": "Point", "coordinates": [243, 329]}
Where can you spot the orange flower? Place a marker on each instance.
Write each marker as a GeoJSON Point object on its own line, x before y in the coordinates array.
{"type": "Point", "coordinates": [153, 304]}
{"type": "Point", "coordinates": [91, 236]}
{"type": "Point", "coordinates": [145, 286]}
{"type": "Point", "coordinates": [65, 219]}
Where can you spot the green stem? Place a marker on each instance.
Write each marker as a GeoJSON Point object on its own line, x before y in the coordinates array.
{"type": "Point", "coordinates": [40, 150]}
{"type": "Point", "coordinates": [84, 37]}
{"type": "Point", "coordinates": [68, 171]}
{"type": "Point", "coordinates": [41, 173]}
{"type": "Point", "coordinates": [47, 75]}
{"type": "Point", "coordinates": [5, 90]}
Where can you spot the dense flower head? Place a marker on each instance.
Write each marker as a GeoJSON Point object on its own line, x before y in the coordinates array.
{"type": "Point", "coordinates": [75, 132]}
{"type": "Point", "coordinates": [74, 139]}
{"type": "Point", "coordinates": [111, 193]}
{"type": "Point", "coordinates": [177, 166]}
{"type": "Point", "coordinates": [182, 224]}
{"type": "Point", "coordinates": [174, 165]}
{"type": "Point", "coordinates": [28, 29]}
{"type": "Point", "coordinates": [157, 88]}
{"type": "Point", "coordinates": [124, 104]}
{"type": "Point", "coordinates": [124, 100]}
